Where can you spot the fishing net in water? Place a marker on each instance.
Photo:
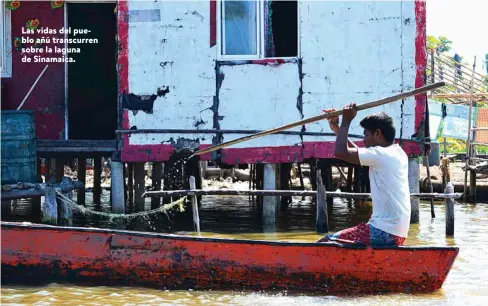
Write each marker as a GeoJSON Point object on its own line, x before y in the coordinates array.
{"type": "Point", "coordinates": [111, 216]}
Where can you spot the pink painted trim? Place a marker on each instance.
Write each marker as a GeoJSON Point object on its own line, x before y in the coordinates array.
{"type": "Point", "coordinates": [289, 154]}
{"type": "Point", "coordinates": [420, 60]}
{"type": "Point", "coordinates": [213, 23]}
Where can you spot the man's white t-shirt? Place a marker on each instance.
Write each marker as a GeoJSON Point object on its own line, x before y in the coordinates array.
{"type": "Point", "coordinates": [390, 192]}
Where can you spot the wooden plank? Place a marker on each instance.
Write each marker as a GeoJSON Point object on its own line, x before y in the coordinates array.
{"type": "Point", "coordinates": [76, 143]}
{"type": "Point", "coordinates": [10, 192]}
{"type": "Point", "coordinates": [245, 192]}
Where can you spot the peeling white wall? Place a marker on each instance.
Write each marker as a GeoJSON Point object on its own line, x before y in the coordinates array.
{"type": "Point", "coordinates": [351, 51]}
{"type": "Point", "coordinates": [358, 51]}
{"type": "Point", "coordinates": [172, 52]}
{"type": "Point", "coordinates": [259, 97]}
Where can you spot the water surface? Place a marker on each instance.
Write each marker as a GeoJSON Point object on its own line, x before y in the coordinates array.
{"type": "Point", "coordinates": [236, 217]}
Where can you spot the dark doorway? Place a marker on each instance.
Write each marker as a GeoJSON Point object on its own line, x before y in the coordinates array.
{"type": "Point", "coordinates": [284, 20]}
{"type": "Point", "coordinates": [92, 78]}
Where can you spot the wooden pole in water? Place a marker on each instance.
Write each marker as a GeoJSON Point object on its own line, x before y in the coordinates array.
{"type": "Point", "coordinates": [50, 207]}
{"type": "Point", "coordinates": [449, 211]}
{"type": "Point", "coordinates": [130, 185]}
{"type": "Point", "coordinates": [139, 184]}
{"type": "Point", "coordinates": [324, 116]}
{"type": "Point", "coordinates": [349, 179]}
{"type": "Point", "coordinates": [157, 173]}
{"type": "Point", "coordinates": [194, 205]}
{"type": "Point", "coordinates": [36, 201]}
{"type": "Point", "coordinates": [80, 195]}
{"type": "Point", "coordinates": [97, 180]}
{"type": "Point", "coordinates": [322, 220]}
{"type": "Point", "coordinates": [117, 187]}
{"type": "Point", "coordinates": [431, 188]}
{"type": "Point", "coordinates": [413, 183]}
{"type": "Point", "coordinates": [468, 141]}
{"type": "Point", "coordinates": [65, 216]}
{"type": "Point", "coordinates": [269, 203]}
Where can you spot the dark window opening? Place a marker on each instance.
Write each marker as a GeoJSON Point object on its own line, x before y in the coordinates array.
{"type": "Point", "coordinates": [92, 78]}
{"type": "Point", "coordinates": [281, 28]}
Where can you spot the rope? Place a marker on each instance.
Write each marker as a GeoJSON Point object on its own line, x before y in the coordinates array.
{"type": "Point", "coordinates": [85, 210]}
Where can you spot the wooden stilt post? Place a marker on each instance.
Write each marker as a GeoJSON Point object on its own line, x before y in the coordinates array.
{"type": "Point", "coordinates": [431, 188]}
{"type": "Point", "coordinates": [349, 179]}
{"type": "Point", "coordinates": [117, 187]}
{"type": "Point", "coordinates": [357, 179]}
{"type": "Point", "coordinates": [139, 184]}
{"type": "Point", "coordinates": [250, 179]}
{"type": "Point", "coordinates": [49, 168]}
{"type": "Point", "coordinates": [194, 206]}
{"type": "Point", "coordinates": [328, 186]}
{"type": "Point", "coordinates": [269, 203]}
{"type": "Point", "coordinates": [80, 194]}
{"type": "Point", "coordinates": [300, 173]}
{"type": "Point", "coordinates": [130, 184]}
{"type": "Point", "coordinates": [50, 207]}
{"type": "Point", "coordinates": [59, 169]}
{"type": "Point", "coordinates": [259, 183]}
{"type": "Point", "coordinates": [126, 189]}
{"type": "Point", "coordinates": [283, 177]}
{"type": "Point", "coordinates": [59, 174]}
{"type": "Point", "coordinates": [322, 220]}
{"type": "Point", "coordinates": [65, 216]}
{"type": "Point", "coordinates": [157, 172]}
{"type": "Point", "coordinates": [313, 174]}
{"type": "Point", "coordinates": [97, 180]}
{"type": "Point", "coordinates": [413, 182]}
{"type": "Point", "coordinates": [449, 211]}
{"type": "Point", "coordinates": [468, 141]}
{"type": "Point", "coordinates": [36, 201]}
{"type": "Point", "coordinates": [6, 209]}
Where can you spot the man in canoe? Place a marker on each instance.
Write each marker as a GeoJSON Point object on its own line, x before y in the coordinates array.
{"type": "Point", "coordinates": [388, 174]}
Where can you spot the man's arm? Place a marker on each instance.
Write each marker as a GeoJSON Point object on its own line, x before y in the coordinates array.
{"type": "Point", "coordinates": [342, 150]}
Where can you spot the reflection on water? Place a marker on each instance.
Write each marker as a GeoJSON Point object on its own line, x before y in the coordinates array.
{"type": "Point", "coordinates": [237, 217]}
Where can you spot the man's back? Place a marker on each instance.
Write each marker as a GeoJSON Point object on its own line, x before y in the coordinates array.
{"type": "Point", "coordinates": [388, 173]}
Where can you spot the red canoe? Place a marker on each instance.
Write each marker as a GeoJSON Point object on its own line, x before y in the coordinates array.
{"type": "Point", "coordinates": [32, 252]}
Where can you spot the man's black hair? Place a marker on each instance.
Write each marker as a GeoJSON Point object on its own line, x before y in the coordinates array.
{"type": "Point", "coordinates": [382, 122]}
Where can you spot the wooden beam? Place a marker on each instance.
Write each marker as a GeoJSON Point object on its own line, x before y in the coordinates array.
{"type": "Point", "coordinates": [245, 192]}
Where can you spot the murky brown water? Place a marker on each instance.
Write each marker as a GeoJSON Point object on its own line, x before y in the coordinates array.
{"type": "Point", "coordinates": [235, 217]}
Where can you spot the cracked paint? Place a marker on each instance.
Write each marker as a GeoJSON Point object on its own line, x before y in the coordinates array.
{"type": "Point", "coordinates": [183, 64]}
{"type": "Point", "coordinates": [110, 257]}
{"type": "Point", "coordinates": [361, 52]}
{"type": "Point", "coordinates": [363, 64]}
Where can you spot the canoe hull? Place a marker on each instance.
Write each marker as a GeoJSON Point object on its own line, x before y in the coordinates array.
{"type": "Point", "coordinates": [113, 257]}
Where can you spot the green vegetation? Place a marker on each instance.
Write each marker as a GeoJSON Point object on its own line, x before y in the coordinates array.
{"type": "Point", "coordinates": [442, 44]}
